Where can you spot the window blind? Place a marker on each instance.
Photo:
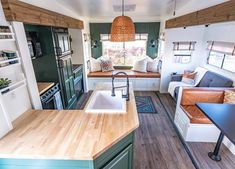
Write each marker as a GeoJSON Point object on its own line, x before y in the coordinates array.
{"type": "Point", "coordinates": [221, 47]}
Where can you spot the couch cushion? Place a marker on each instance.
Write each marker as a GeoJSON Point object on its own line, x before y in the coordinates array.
{"type": "Point", "coordinates": [195, 115]}
{"type": "Point", "coordinates": [211, 79]}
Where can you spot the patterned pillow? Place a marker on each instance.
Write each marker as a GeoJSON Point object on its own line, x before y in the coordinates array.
{"type": "Point", "coordinates": [189, 78]}
{"type": "Point", "coordinates": [106, 65]}
{"type": "Point", "coordinates": [229, 97]}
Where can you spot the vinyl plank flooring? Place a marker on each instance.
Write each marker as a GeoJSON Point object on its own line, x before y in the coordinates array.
{"type": "Point", "coordinates": [199, 150]}
{"type": "Point", "coordinates": [157, 145]}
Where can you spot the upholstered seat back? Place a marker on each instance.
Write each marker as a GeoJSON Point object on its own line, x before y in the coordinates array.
{"type": "Point", "coordinates": [211, 79]}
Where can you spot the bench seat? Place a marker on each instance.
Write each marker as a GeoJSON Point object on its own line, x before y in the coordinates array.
{"type": "Point", "coordinates": [130, 73]}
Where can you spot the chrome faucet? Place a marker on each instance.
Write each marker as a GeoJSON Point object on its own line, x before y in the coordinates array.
{"type": "Point", "coordinates": [115, 87]}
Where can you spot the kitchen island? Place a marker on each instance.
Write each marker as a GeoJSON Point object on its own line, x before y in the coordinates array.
{"type": "Point", "coordinates": [64, 139]}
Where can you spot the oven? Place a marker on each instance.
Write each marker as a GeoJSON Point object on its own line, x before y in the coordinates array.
{"type": "Point", "coordinates": [78, 86]}
{"type": "Point", "coordinates": [78, 80]}
{"type": "Point", "coordinates": [51, 99]}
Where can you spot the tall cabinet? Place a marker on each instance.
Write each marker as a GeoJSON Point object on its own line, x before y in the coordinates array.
{"type": "Point", "coordinates": [55, 64]}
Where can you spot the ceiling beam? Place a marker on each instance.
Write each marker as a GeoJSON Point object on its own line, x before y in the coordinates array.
{"type": "Point", "coordinates": [16, 10]}
{"type": "Point", "coordinates": [224, 12]}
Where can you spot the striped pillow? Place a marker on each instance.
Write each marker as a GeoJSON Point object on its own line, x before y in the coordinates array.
{"type": "Point", "coordinates": [229, 97]}
{"type": "Point", "coordinates": [106, 65]}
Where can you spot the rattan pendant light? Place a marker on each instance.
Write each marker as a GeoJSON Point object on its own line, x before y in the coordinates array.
{"type": "Point", "coordinates": [123, 29]}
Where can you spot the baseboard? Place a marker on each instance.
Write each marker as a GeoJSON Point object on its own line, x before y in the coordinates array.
{"type": "Point", "coordinates": [229, 145]}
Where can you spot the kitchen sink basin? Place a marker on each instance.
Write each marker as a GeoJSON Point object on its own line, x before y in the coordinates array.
{"type": "Point", "coordinates": [102, 102]}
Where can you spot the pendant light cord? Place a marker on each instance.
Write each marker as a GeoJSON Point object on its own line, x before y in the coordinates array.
{"type": "Point", "coordinates": [174, 9]}
{"type": "Point", "coordinates": [122, 7]}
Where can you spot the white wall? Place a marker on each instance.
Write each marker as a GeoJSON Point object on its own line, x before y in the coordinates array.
{"type": "Point", "coordinates": [175, 35]}
{"type": "Point", "coordinates": [82, 49]}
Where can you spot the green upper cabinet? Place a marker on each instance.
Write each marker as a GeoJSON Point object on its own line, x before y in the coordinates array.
{"type": "Point", "coordinates": [151, 28]}
{"type": "Point", "coordinates": [45, 67]}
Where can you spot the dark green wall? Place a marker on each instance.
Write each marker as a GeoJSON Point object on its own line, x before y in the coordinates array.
{"type": "Point", "coordinates": [151, 28]}
{"type": "Point", "coordinates": [45, 67]}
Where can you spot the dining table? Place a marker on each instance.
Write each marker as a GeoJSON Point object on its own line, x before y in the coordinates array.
{"type": "Point", "coordinates": [223, 117]}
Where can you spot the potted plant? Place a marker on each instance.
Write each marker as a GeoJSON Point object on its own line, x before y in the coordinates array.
{"type": "Point", "coordinates": [4, 82]}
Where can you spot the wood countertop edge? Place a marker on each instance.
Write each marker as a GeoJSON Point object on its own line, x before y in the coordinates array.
{"type": "Point", "coordinates": [115, 142]}
{"type": "Point", "coordinates": [44, 86]}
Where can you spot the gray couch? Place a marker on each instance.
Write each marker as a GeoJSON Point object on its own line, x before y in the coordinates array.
{"type": "Point", "coordinates": [210, 79]}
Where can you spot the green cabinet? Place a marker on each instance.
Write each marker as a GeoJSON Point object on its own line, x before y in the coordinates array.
{"type": "Point", "coordinates": [119, 156]}
{"type": "Point", "coordinates": [122, 161]}
{"type": "Point", "coordinates": [67, 79]}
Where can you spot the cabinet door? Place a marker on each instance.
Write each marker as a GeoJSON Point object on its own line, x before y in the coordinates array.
{"type": "Point", "coordinates": [69, 91]}
{"type": "Point", "coordinates": [122, 161]}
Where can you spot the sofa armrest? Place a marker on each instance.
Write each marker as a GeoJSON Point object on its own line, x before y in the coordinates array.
{"type": "Point", "coordinates": [191, 96]}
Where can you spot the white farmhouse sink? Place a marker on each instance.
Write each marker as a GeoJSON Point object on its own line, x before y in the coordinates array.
{"type": "Point", "coordinates": [102, 102]}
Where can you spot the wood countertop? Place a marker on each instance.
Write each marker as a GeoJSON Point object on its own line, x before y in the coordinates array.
{"type": "Point", "coordinates": [68, 134]}
{"type": "Point", "coordinates": [44, 86]}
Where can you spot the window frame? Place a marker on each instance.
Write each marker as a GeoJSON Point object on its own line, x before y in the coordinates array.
{"type": "Point", "coordinates": [222, 64]}
{"type": "Point", "coordinates": [124, 57]}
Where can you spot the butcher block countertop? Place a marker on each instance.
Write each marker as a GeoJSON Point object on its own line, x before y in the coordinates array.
{"type": "Point", "coordinates": [44, 86]}
{"type": "Point", "coordinates": [67, 134]}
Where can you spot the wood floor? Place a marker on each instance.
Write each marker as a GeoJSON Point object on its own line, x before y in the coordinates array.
{"type": "Point", "coordinates": [157, 145]}
{"type": "Point", "coordinates": [198, 151]}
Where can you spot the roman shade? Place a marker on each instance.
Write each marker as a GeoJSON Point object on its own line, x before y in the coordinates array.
{"type": "Point", "coordinates": [184, 46]}
{"type": "Point", "coordinates": [139, 36]}
{"type": "Point", "coordinates": [221, 47]}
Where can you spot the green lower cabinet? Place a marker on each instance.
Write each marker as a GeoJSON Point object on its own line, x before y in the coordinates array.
{"type": "Point", "coordinates": [119, 156]}
{"type": "Point", "coordinates": [122, 160]}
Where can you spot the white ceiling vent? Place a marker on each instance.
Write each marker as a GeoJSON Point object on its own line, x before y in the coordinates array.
{"type": "Point", "coordinates": [127, 8]}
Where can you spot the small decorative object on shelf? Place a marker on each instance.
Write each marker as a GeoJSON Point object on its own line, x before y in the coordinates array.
{"type": "Point", "coordinates": [4, 82]}
{"type": "Point", "coordinates": [6, 33]}
{"type": "Point", "coordinates": [8, 57]}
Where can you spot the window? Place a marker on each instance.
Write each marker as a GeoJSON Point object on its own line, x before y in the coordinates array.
{"type": "Point", "coordinates": [223, 61]}
{"type": "Point", "coordinates": [183, 51]}
{"type": "Point", "coordinates": [125, 54]}
{"type": "Point", "coordinates": [222, 55]}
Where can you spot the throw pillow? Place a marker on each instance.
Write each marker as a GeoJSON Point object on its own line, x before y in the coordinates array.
{"type": "Point", "coordinates": [95, 65]}
{"type": "Point", "coordinates": [189, 78]}
{"type": "Point", "coordinates": [152, 65]}
{"type": "Point", "coordinates": [107, 65]}
{"type": "Point", "coordinates": [229, 97]}
{"type": "Point", "coordinates": [140, 66]}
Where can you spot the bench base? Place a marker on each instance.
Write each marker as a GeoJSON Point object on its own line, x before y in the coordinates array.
{"type": "Point", "coordinates": [139, 84]}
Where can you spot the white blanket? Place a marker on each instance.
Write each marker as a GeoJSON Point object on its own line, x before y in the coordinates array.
{"type": "Point", "coordinates": [200, 73]}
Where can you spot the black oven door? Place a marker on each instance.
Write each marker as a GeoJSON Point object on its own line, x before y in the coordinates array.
{"type": "Point", "coordinates": [78, 86]}
{"type": "Point", "coordinates": [49, 104]}
{"type": "Point", "coordinates": [54, 102]}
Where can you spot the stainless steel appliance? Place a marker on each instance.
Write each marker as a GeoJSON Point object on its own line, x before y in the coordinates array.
{"type": "Point", "coordinates": [51, 99]}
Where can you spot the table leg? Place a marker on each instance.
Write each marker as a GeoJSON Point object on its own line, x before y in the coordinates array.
{"type": "Point", "coordinates": [215, 155]}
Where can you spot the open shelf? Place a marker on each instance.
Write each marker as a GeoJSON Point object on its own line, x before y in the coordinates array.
{"type": "Point", "coordinates": [4, 39]}
{"type": "Point", "coordinates": [9, 60]}
{"type": "Point", "coordinates": [13, 86]}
